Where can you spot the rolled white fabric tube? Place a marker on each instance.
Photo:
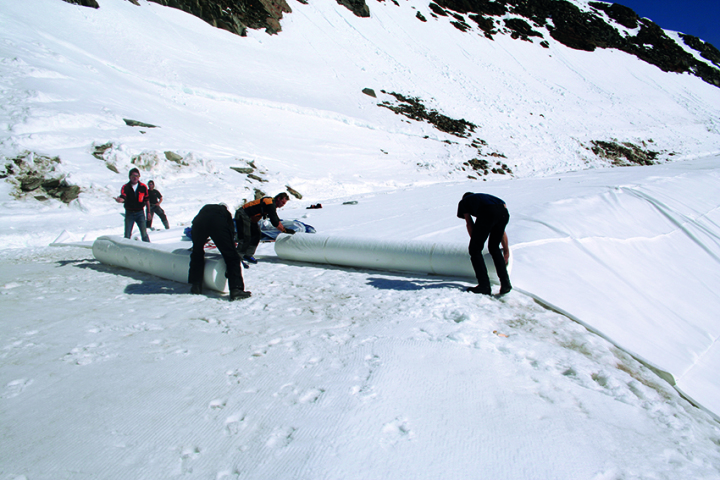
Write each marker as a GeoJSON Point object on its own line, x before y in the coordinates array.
{"type": "Point", "coordinates": [400, 255]}
{"type": "Point", "coordinates": [163, 260]}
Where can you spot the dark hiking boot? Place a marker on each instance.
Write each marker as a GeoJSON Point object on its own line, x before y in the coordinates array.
{"type": "Point", "coordinates": [250, 259]}
{"type": "Point", "coordinates": [196, 288]}
{"type": "Point", "coordinates": [238, 294]}
{"type": "Point", "coordinates": [505, 290]}
{"type": "Point", "coordinates": [244, 264]}
{"type": "Point", "coordinates": [478, 289]}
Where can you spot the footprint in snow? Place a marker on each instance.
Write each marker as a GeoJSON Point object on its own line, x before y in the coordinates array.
{"type": "Point", "coordinates": [16, 387]}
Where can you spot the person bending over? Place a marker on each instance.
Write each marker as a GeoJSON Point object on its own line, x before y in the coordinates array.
{"type": "Point", "coordinates": [491, 218]}
{"type": "Point", "coordinates": [215, 222]}
{"type": "Point", "coordinates": [247, 218]}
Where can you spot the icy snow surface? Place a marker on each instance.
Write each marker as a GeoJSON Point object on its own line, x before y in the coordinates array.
{"type": "Point", "coordinates": [331, 372]}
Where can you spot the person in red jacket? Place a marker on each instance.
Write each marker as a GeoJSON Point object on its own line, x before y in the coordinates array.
{"type": "Point", "coordinates": [247, 218]}
{"type": "Point", "coordinates": [134, 196]}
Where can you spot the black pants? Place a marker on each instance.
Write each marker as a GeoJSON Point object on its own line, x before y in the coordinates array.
{"type": "Point", "coordinates": [490, 222]}
{"type": "Point", "coordinates": [248, 233]}
{"type": "Point", "coordinates": [215, 222]}
{"type": "Point", "coordinates": [155, 209]}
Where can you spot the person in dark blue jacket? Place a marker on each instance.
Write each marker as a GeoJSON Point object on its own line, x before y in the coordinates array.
{"type": "Point", "coordinates": [491, 218]}
{"type": "Point", "coordinates": [215, 222]}
{"type": "Point", "coordinates": [134, 196]}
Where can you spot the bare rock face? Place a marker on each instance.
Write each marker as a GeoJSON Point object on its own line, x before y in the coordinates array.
{"type": "Point", "coordinates": [84, 3]}
{"type": "Point", "coordinates": [358, 7]}
{"type": "Point", "coordinates": [235, 16]}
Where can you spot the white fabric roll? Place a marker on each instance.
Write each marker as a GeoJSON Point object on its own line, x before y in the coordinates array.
{"type": "Point", "coordinates": [407, 256]}
{"type": "Point", "coordinates": [167, 261]}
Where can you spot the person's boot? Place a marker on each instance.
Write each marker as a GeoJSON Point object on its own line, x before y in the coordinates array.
{"type": "Point", "coordinates": [250, 258]}
{"type": "Point", "coordinates": [479, 289]}
{"type": "Point", "coordinates": [196, 289]}
{"type": "Point", "coordinates": [238, 294]}
{"type": "Point", "coordinates": [505, 289]}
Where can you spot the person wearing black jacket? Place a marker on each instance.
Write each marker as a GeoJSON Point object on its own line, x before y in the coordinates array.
{"type": "Point", "coordinates": [156, 199]}
{"type": "Point", "coordinates": [491, 218]}
{"type": "Point", "coordinates": [134, 196]}
{"type": "Point", "coordinates": [247, 218]}
{"type": "Point", "coordinates": [215, 222]}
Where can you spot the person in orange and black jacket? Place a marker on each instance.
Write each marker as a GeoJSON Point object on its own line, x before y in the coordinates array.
{"type": "Point", "coordinates": [247, 218]}
{"type": "Point", "coordinates": [134, 196]}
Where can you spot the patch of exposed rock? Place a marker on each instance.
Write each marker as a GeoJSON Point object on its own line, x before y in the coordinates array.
{"type": "Point", "coordinates": [413, 108]}
{"type": "Point", "coordinates": [358, 7]}
{"type": "Point", "coordinates": [624, 154]}
{"type": "Point", "coordinates": [235, 16]}
{"type": "Point", "coordinates": [84, 3]}
{"type": "Point", "coordinates": [36, 176]}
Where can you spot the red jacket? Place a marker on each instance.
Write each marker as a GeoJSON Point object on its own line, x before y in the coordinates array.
{"type": "Point", "coordinates": [135, 200]}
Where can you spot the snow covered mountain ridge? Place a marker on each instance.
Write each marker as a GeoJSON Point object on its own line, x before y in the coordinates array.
{"type": "Point", "coordinates": [580, 26]}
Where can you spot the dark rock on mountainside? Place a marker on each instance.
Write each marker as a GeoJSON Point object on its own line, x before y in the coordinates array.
{"type": "Point", "coordinates": [135, 123]}
{"type": "Point", "coordinates": [623, 154]}
{"type": "Point", "coordinates": [358, 7]}
{"type": "Point", "coordinates": [235, 16]}
{"type": "Point", "coordinates": [705, 49]}
{"type": "Point", "coordinates": [413, 108]}
{"type": "Point", "coordinates": [84, 3]}
{"type": "Point", "coordinates": [36, 176]}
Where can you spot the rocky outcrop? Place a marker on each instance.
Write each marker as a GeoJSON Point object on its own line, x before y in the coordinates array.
{"type": "Point", "coordinates": [84, 3]}
{"type": "Point", "coordinates": [35, 176]}
{"type": "Point", "coordinates": [705, 49]}
{"type": "Point", "coordinates": [358, 7]}
{"type": "Point", "coordinates": [623, 154]}
{"type": "Point", "coordinates": [413, 108]}
{"type": "Point", "coordinates": [235, 16]}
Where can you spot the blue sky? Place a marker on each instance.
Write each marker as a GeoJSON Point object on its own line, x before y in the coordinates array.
{"type": "Point", "coordinates": [700, 18]}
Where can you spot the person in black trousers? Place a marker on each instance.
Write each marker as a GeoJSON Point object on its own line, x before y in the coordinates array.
{"type": "Point", "coordinates": [155, 198]}
{"type": "Point", "coordinates": [491, 218]}
{"type": "Point", "coordinates": [215, 222]}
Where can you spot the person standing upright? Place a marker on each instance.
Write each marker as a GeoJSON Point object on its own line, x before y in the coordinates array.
{"type": "Point", "coordinates": [134, 196]}
{"type": "Point", "coordinates": [491, 218]}
{"type": "Point", "coordinates": [155, 198]}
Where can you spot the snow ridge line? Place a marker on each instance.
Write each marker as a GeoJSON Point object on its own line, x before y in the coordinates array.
{"type": "Point", "coordinates": [665, 375]}
{"type": "Point", "coordinates": [667, 213]}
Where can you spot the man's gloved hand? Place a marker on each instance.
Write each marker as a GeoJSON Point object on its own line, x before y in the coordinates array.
{"type": "Point", "coordinates": [289, 232]}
